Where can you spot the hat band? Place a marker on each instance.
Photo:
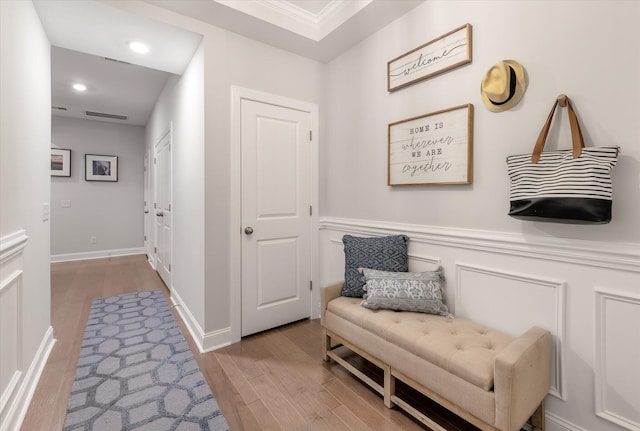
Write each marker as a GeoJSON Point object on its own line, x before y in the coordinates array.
{"type": "Point", "coordinates": [512, 88]}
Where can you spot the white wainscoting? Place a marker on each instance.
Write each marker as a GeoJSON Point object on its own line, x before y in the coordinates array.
{"type": "Point", "coordinates": [18, 376]}
{"type": "Point", "coordinates": [517, 302]}
{"type": "Point", "coordinates": [617, 365]}
{"type": "Point", "coordinates": [511, 281]}
{"type": "Point", "coordinates": [11, 363]}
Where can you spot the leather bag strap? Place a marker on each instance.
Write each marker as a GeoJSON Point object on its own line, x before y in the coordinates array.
{"type": "Point", "coordinates": [576, 133]}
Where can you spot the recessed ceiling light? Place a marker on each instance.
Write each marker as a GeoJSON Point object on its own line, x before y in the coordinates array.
{"type": "Point", "coordinates": [79, 87]}
{"type": "Point", "coordinates": [139, 47]}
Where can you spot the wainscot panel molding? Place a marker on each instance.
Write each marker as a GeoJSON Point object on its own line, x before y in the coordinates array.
{"type": "Point", "coordinates": [18, 379]}
{"type": "Point", "coordinates": [11, 362]}
{"type": "Point", "coordinates": [208, 341]}
{"type": "Point", "coordinates": [523, 301]}
{"type": "Point", "coordinates": [621, 256]}
{"type": "Point", "coordinates": [67, 257]}
{"type": "Point", "coordinates": [556, 423]}
{"type": "Point", "coordinates": [616, 371]}
{"type": "Point", "coordinates": [11, 419]}
{"type": "Point", "coordinates": [12, 371]}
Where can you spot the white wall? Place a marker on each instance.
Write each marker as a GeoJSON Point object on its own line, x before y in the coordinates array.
{"type": "Point", "coordinates": [181, 106]}
{"type": "Point", "coordinates": [202, 170]}
{"type": "Point", "coordinates": [26, 336]}
{"type": "Point", "coordinates": [580, 282]}
{"type": "Point", "coordinates": [256, 66]}
{"type": "Point", "coordinates": [566, 47]}
{"type": "Point", "coordinates": [110, 211]}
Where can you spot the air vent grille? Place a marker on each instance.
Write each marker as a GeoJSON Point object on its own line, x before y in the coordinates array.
{"type": "Point", "coordinates": [104, 115]}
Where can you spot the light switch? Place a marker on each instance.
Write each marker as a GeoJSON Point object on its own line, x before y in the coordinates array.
{"type": "Point", "coordinates": [45, 212]}
{"type": "Point", "coordinates": [65, 203]}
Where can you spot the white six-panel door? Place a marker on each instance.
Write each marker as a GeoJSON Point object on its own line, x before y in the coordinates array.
{"type": "Point", "coordinates": [276, 158]}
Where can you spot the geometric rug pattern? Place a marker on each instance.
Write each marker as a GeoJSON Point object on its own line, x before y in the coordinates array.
{"type": "Point", "coordinates": [136, 372]}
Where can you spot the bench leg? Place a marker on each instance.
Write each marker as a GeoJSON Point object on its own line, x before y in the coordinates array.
{"type": "Point", "coordinates": [537, 420]}
{"type": "Point", "coordinates": [326, 345]}
{"type": "Point", "coordinates": [389, 387]}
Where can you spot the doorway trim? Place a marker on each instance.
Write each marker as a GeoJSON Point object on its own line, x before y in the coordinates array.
{"type": "Point", "coordinates": [235, 246]}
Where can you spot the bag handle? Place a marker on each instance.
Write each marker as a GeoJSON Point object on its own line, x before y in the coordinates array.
{"type": "Point", "coordinates": [576, 133]}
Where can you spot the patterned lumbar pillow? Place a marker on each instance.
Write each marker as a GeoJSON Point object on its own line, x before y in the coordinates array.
{"type": "Point", "coordinates": [405, 291]}
{"type": "Point", "coordinates": [388, 253]}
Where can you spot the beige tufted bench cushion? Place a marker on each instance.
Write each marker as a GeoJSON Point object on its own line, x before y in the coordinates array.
{"type": "Point", "coordinates": [461, 347]}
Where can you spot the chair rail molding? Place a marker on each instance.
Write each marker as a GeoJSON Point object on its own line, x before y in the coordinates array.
{"type": "Point", "coordinates": [12, 245]}
{"type": "Point", "coordinates": [620, 256]}
{"type": "Point", "coordinates": [616, 372]}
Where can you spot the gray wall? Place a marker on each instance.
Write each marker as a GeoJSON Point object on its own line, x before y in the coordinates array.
{"type": "Point", "coordinates": [110, 211]}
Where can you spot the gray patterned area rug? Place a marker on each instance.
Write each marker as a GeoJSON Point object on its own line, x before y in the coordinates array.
{"type": "Point", "coordinates": [136, 372]}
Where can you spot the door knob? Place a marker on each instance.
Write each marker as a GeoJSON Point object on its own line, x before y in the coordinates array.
{"type": "Point", "coordinates": [248, 230]}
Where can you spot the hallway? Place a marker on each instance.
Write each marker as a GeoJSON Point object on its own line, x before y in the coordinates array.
{"type": "Point", "coordinates": [274, 380]}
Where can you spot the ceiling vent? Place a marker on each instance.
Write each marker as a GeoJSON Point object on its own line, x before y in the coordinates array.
{"type": "Point", "coordinates": [58, 108]}
{"type": "Point", "coordinates": [116, 61]}
{"type": "Point", "coordinates": [103, 115]}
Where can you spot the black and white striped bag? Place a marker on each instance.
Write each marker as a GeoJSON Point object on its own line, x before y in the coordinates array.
{"type": "Point", "coordinates": [562, 186]}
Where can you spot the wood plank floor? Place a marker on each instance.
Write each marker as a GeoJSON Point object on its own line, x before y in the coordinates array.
{"type": "Point", "coordinates": [275, 380]}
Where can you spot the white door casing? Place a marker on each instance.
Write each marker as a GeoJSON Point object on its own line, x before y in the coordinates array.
{"type": "Point", "coordinates": [147, 205]}
{"type": "Point", "coordinates": [276, 228]}
{"type": "Point", "coordinates": [162, 212]}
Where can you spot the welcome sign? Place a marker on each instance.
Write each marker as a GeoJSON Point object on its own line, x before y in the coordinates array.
{"type": "Point", "coordinates": [438, 56]}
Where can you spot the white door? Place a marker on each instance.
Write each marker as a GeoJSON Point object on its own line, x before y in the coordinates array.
{"type": "Point", "coordinates": [162, 208]}
{"type": "Point", "coordinates": [276, 159]}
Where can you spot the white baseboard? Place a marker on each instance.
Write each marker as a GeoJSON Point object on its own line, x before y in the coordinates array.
{"type": "Point", "coordinates": [17, 411]}
{"type": "Point", "coordinates": [66, 257]}
{"type": "Point", "coordinates": [206, 342]}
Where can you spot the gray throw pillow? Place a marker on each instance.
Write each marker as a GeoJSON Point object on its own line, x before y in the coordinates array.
{"type": "Point", "coordinates": [387, 253]}
{"type": "Point", "coordinates": [421, 292]}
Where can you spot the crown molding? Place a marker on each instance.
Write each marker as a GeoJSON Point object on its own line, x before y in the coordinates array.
{"type": "Point", "coordinates": [298, 20]}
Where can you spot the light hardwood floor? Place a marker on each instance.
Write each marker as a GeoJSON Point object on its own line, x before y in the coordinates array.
{"type": "Point", "coordinates": [275, 380]}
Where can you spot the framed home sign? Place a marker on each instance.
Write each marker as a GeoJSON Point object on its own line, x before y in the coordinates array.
{"type": "Point", "coordinates": [438, 56]}
{"type": "Point", "coordinates": [100, 168]}
{"type": "Point", "coordinates": [60, 162]}
{"type": "Point", "coordinates": [431, 149]}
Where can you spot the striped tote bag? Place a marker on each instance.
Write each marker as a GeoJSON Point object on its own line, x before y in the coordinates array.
{"type": "Point", "coordinates": [562, 186]}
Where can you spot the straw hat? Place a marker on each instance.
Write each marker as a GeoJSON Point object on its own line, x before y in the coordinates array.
{"type": "Point", "coordinates": [503, 86]}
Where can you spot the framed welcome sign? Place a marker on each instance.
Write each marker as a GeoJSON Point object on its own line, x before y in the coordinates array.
{"type": "Point", "coordinates": [431, 149]}
{"type": "Point", "coordinates": [438, 56]}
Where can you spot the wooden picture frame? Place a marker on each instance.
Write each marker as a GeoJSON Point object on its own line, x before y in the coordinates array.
{"type": "Point", "coordinates": [432, 149]}
{"type": "Point", "coordinates": [440, 55]}
{"type": "Point", "coordinates": [100, 168]}
{"type": "Point", "coordinates": [60, 162]}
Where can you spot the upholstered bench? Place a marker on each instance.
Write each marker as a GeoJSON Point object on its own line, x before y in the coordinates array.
{"type": "Point", "coordinates": [490, 379]}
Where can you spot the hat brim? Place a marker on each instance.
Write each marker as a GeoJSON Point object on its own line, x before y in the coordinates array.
{"type": "Point", "coordinates": [521, 86]}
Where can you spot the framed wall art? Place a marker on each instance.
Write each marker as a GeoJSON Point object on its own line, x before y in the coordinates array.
{"type": "Point", "coordinates": [440, 55]}
{"type": "Point", "coordinates": [60, 162]}
{"type": "Point", "coordinates": [432, 149]}
{"type": "Point", "coordinates": [100, 168]}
